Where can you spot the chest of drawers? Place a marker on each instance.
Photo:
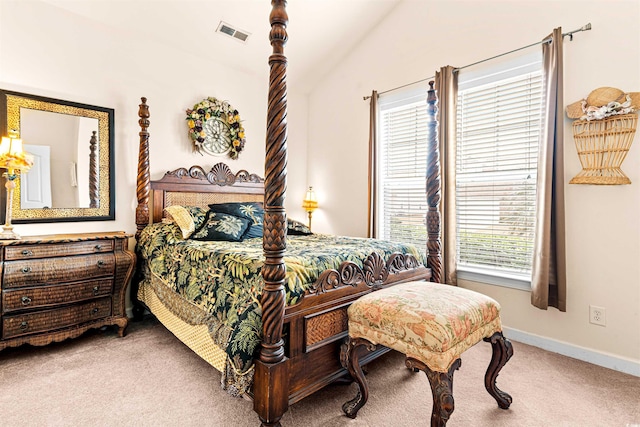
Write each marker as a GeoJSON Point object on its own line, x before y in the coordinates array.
{"type": "Point", "coordinates": [59, 286]}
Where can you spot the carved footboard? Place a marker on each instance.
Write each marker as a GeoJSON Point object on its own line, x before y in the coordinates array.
{"type": "Point", "coordinates": [315, 327]}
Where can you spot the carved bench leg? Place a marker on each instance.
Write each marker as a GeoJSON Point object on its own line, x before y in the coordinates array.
{"type": "Point", "coordinates": [441, 389]}
{"type": "Point", "coordinates": [350, 360]}
{"type": "Point", "coordinates": [502, 352]}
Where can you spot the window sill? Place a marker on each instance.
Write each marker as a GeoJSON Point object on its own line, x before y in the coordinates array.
{"type": "Point", "coordinates": [492, 278]}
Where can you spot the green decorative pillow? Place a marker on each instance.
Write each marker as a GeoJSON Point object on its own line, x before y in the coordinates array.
{"type": "Point", "coordinates": [188, 218]}
{"type": "Point", "coordinates": [297, 228]}
{"type": "Point", "coordinates": [222, 226]}
{"type": "Point", "coordinates": [252, 211]}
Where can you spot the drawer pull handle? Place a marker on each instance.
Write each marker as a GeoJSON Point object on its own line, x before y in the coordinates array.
{"type": "Point", "coordinates": [100, 263]}
{"type": "Point", "coordinates": [26, 300]}
{"type": "Point", "coordinates": [26, 270]}
{"type": "Point", "coordinates": [96, 289]}
{"type": "Point", "coordinates": [27, 252]}
{"type": "Point", "coordinates": [95, 310]}
{"type": "Point", "coordinates": [24, 326]}
{"type": "Point", "coordinates": [98, 247]}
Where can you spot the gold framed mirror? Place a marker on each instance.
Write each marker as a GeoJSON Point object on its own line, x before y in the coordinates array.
{"type": "Point", "coordinates": [73, 144]}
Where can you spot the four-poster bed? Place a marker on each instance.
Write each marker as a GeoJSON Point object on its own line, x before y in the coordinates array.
{"type": "Point", "coordinates": [300, 338]}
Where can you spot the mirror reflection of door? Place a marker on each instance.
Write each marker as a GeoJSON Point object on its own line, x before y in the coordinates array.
{"type": "Point", "coordinates": [68, 137]}
{"type": "Point", "coordinates": [35, 186]}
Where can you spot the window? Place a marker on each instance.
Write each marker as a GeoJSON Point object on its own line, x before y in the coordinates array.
{"type": "Point", "coordinates": [498, 134]}
{"type": "Point", "coordinates": [402, 167]}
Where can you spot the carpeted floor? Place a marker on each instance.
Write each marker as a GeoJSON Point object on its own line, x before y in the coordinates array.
{"type": "Point", "coordinates": [149, 378]}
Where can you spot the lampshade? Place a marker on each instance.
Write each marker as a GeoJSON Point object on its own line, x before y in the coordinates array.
{"type": "Point", "coordinates": [12, 157]}
{"type": "Point", "coordinates": [10, 145]}
{"type": "Point", "coordinates": [310, 203]}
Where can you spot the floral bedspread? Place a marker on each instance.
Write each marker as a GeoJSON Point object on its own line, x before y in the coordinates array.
{"type": "Point", "coordinates": [224, 278]}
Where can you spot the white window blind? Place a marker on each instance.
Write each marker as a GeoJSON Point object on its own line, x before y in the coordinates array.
{"type": "Point", "coordinates": [402, 167]}
{"type": "Point", "coordinates": [498, 134]}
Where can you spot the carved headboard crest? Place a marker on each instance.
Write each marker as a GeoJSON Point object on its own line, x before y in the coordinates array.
{"type": "Point", "coordinates": [220, 174]}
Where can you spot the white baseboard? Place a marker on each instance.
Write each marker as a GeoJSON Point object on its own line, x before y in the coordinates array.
{"type": "Point", "coordinates": [616, 363]}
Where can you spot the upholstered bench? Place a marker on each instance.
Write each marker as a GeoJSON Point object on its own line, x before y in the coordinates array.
{"type": "Point", "coordinates": [432, 324]}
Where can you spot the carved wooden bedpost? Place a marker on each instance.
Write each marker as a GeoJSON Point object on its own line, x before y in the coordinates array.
{"type": "Point", "coordinates": [271, 379]}
{"type": "Point", "coordinates": [144, 183]}
{"type": "Point", "coordinates": [142, 210]}
{"type": "Point", "coordinates": [94, 195]}
{"type": "Point", "coordinates": [434, 245]}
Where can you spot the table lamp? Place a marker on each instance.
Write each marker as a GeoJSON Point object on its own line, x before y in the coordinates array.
{"type": "Point", "coordinates": [14, 160]}
{"type": "Point", "coordinates": [310, 203]}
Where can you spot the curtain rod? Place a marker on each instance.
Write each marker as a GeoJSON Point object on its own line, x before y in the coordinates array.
{"type": "Point", "coordinates": [586, 27]}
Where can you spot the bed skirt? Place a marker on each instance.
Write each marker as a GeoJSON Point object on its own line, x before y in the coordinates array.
{"type": "Point", "coordinates": [194, 328]}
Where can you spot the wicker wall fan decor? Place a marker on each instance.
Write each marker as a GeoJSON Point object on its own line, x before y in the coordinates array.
{"type": "Point", "coordinates": [603, 133]}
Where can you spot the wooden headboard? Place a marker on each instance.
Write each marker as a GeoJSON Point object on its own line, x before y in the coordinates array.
{"type": "Point", "coordinates": [197, 187]}
{"type": "Point", "coordinates": [187, 187]}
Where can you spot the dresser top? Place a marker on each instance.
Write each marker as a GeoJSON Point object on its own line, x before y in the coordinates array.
{"type": "Point", "coordinates": [62, 238]}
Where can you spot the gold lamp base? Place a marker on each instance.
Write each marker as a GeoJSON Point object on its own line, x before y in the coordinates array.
{"type": "Point", "coordinates": [7, 229]}
{"type": "Point", "coordinates": [309, 214]}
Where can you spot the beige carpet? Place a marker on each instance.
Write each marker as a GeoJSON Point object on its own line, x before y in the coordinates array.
{"type": "Point", "coordinates": [149, 378]}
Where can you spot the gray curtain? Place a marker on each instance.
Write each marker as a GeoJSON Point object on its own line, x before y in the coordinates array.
{"type": "Point", "coordinates": [446, 85]}
{"type": "Point", "coordinates": [373, 173]}
{"type": "Point", "coordinates": [548, 278]}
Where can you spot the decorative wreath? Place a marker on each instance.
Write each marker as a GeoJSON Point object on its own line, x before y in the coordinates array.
{"type": "Point", "coordinates": [215, 128]}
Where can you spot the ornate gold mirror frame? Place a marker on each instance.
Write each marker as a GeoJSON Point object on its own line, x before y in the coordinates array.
{"type": "Point", "coordinates": [102, 206]}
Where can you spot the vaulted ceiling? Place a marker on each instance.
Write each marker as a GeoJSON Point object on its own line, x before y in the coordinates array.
{"type": "Point", "coordinates": [321, 32]}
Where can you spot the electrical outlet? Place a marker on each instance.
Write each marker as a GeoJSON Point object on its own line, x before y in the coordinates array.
{"type": "Point", "coordinates": [597, 315]}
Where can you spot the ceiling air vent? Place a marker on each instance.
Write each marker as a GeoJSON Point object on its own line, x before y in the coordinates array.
{"type": "Point", "coordinates": [230, 31]}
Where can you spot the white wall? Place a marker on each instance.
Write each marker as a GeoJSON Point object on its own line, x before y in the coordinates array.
{"type": "Point", "coordinates": [603, 233]}
{"type": "Point", "coordinates": [50, 52]}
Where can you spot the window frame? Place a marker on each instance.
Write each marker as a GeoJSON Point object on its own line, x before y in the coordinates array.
{"type": "Point", "coordinates": [488, 74]}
